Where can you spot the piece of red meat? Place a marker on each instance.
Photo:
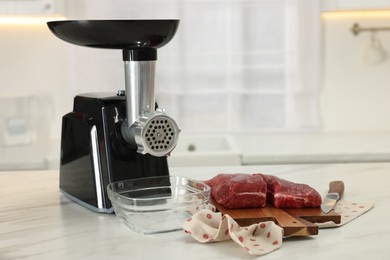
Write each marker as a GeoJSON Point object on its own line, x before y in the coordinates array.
{"type": "Point", "coordinates": [238, 190]}
{"type": "Point", "coordinates": [286, 194]}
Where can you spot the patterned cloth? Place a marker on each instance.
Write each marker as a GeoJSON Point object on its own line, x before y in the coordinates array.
{"type": "Point", "coordinates": [348, 211]}
{"type": "Point", "coordinates": [257, 239]}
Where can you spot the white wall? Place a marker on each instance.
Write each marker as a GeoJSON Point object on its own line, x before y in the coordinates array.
{"type": "Point", "coordinates": [35, 62]}
{"type": "Point", "coordinates": [355, 95]}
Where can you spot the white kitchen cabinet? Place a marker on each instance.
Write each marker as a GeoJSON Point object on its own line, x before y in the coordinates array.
{"type": "Point", "coordinates": [30, 7]}
{"type": "Point", "coordinates": [344, 5]}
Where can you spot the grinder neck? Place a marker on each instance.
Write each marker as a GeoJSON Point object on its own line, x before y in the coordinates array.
{"type": "Point", "coordinates": [139, 82]}
{"type": "Point", "coordinates": [151, 130]}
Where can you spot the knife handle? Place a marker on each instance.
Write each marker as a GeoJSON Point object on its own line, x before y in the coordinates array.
{"type": "Point", "coordinates": [337, 187]}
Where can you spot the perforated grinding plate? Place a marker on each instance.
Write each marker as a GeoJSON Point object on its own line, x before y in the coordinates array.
{"type": "Point", "coordinates": [160, 134]}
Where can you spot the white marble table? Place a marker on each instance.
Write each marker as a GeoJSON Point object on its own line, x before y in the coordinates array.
{"type": "Point", "coordinates": [37, 222]}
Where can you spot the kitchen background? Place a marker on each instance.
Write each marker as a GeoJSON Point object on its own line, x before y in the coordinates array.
{"type": "Point", "coordinates": [249, 82]}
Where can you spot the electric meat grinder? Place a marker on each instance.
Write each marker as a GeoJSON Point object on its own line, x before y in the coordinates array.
{"type": "Point", "coordinates": [116, 136]}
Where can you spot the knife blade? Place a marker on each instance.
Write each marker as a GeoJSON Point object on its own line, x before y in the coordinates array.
{"type": "Point", "coordinates": [336, 191]}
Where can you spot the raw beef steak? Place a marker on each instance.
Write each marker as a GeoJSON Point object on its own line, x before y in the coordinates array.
{"type": "Point", "coordinates": [238, 190]}
{"type": "Point", "coordinates": [286, 194]}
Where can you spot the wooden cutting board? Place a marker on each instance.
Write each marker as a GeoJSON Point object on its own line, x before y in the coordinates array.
{"type": "Point", "coordinates": [295, 222]}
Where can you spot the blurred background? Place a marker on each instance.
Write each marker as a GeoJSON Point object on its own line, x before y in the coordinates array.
{"type": "Point", "coordinates": [248, 81]}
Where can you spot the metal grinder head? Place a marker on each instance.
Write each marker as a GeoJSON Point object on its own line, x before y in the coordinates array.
{"type": "Point", "coordinates": [156, 135]}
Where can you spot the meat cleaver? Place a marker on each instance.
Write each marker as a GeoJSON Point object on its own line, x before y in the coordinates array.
{"type": "Point", "coordinates": [336, 191]}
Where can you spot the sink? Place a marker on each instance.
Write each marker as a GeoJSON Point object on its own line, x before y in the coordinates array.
{"type": "Point", "coordinates": [205, 150]}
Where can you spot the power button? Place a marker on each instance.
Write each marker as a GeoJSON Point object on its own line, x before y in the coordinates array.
{"type": "Point", "coordinates": [121, 93]}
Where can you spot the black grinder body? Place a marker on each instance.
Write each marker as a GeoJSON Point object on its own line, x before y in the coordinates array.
{"type": "Point", "coordinates": [94, 154]}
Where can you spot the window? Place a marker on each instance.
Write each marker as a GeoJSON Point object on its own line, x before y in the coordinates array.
{"type": "Point", "coordinates": [233, 66]}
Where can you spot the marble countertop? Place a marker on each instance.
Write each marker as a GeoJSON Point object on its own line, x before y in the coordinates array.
{"type": "Point", "coordinates": [37, 222]}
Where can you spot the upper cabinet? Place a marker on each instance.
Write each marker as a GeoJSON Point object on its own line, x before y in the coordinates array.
{"type": "Point", "coordinates": [30, 7]}
{"type": "Point", "coordinates": [344, 5]}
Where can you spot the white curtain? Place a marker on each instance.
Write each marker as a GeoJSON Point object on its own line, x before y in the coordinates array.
{"type": "Point", "coordinates": [233, 66]}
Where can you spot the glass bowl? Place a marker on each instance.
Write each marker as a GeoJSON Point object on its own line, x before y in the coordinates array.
{"type": "Point", "coordinates": [157, 204]}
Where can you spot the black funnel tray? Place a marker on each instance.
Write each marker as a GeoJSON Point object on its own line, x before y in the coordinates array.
{"type": "Point", "coordinates": [116, 34]}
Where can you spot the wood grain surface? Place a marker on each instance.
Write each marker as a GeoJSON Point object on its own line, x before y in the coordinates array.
{"type": "Point", "coordinates": [295, 222]}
